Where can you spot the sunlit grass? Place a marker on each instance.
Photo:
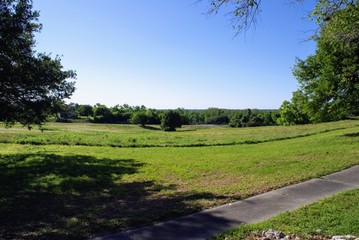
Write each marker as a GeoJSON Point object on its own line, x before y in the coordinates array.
{"type": "Point", "coordinates": [87, 134]}
{"type": "Point", "coordinates": [336, 215]}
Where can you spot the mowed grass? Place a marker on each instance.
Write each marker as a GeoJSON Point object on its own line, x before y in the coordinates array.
{"type": "Point", "coordinates": [337, 215]}
{"type": "Point", "coordinates": [87, 134]}
{"type": "Point", "coordinates": [57, 191]}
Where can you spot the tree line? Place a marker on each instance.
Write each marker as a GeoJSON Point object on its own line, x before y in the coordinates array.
{"type": "Point", "coordinates": [126, 114]}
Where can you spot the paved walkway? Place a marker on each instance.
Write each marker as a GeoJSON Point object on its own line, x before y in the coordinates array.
{"type": "Point", "coordinates": [213, 221]}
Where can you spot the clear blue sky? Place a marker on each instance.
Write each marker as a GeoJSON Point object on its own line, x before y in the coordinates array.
{"type": "Point", "coordinates": [168, 53]}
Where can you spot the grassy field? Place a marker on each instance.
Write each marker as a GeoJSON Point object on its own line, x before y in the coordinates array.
{"type": "Point", "coordinates": [86, 134]}
{"type": "Point", "coordinates": [332, 216]}
{"type": "Point", "coordinates": [81, 180]}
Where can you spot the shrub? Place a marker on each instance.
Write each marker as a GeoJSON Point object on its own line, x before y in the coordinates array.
{"type": "Point", "coordinates": [139, 118]}
{"type": "Point", "coordinates": [171, 120]}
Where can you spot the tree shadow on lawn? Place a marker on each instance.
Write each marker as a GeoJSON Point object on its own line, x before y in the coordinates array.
{"type": "Point", "coordinates": [356, 134]}
{"type": "Point", "coordinates": [47, 196]}
{"type": "Point", "coordinates": [151, 128]}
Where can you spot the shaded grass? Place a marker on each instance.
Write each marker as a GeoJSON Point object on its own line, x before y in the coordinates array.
{"type": "Point", "coordinates": [48, 196]}
{"type": "Point", "coordinates": [62, 191]}
{"type": "Point", "coordinates": [336, 215]}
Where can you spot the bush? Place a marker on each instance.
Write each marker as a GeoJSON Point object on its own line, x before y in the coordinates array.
{"type": "Point", "coordinates": [139, 118]}
{"type": "Point", "coordinates": [171, 120]}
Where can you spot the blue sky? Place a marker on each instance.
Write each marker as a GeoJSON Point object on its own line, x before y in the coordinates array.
{"type": "Point", "coordinates": [169, 54]}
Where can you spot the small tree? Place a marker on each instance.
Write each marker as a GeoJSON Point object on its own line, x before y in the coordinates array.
{"type": "Point", "coordinates": [139, 118]}
{"type": "Point", "coordinates": [171, 120]}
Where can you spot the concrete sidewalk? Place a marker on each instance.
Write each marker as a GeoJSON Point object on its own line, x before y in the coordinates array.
{"type": "Point", "coordinates": [213, 221]}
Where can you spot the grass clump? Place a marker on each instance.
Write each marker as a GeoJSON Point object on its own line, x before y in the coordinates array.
{"type": "Point", "coordinates": [337, 215]}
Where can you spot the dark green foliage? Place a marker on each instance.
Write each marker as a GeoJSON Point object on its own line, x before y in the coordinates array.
{"type": "Point", "coordinates": [250, 118]}
{"type": "Point", "coordinates": [171, 120]}
{"type": "Point", "coordinates": [121, 114]}
{"type": "Point", "coordinates": [139, 117]}
{"type": "Point", "coordinates": [292, 113]}
{"type": "Point", "coordinates": [195, 117]}
{"type": "Point", "coordinates": [32, 85]}
{"type": "Point", "coordinates": [235, 122]}
{"type": "Point", "coordinates": [329, 79]}
{"type": "Point", "coordinates": [102, 114]}
{"type": "Point", "coordinates": [221, 119]}
{"type": "Point", "coordinates": [124, 114]}
{"type": "Point", "coordinates": [85, 110]}
{"type": "Point", "coordinates": [153, 116]}
{"type": "Point", "coordinates": [212, 112]}
{"type": "Point", "coordinates": [269, 118]}
{"type": "Point", "coordinates": [67, 111]}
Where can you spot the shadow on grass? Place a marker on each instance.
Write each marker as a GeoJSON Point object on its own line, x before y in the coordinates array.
{"type": "Point", "coordinates": [47, 196]}
{"type": "Point", "coordinates": [356, 134]}
{"type": "Point", "coordinates": [151, 128]}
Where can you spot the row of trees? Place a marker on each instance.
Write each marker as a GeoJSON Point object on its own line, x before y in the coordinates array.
{"type": "Point", "coordinates": [169, 120]}
{"type": "Point", "coordinates": [141, 115]}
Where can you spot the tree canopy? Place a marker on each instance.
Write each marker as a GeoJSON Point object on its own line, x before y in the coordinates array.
{"type": "Point", "coordinates": [32, 85]}
{"type": "Point", "coordinates": [170, 121]}
{"type": "Point", "coordinates": [329, 79]}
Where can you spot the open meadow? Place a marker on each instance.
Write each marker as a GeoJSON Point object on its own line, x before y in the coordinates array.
{"type": "Point", "coordinates": [78, 180]}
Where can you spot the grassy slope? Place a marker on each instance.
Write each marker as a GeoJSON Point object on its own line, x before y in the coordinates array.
{"type": "Point", "coordinates": [134, 136]}
{"type": "Point", "coordinates": [336, 215]}
{"type": "Point", "coordinates": [56, 191]}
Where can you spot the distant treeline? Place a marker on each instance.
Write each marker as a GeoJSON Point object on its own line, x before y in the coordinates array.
{"type": "Point", "coordinates": [125, 114]}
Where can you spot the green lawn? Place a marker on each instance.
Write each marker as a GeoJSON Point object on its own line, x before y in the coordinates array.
{"type": "Point", "coordinates": [87, 134]}
{"type": "Point", "coordinates": [72, 183]}
{"type": "Point", "coordinates": [332, 216]}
